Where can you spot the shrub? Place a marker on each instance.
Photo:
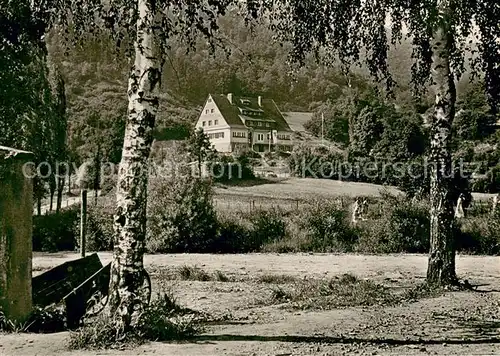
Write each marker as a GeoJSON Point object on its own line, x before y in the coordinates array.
{"type": "Point", "coordinates": [297, 237]}
{"type": "Point", "coordinates": [403, 226]}
{"type": "Point", "coordinates": [480, 235]}
{"type": "Point", "coordinates": [231, 168]}
{"type": "Point", "coordinates": [330, 229]}
{"type": "Point", "coordinates": [494, 179]}
{"type": "Point", "coordinates": [347, 290]}
{"type": "Point", "coordinates": [408, 228]}
{"type": "Point", "coordinates": [41, 320]}
{"type": "Point", "coordinates": [162, 320]}
{"type": "Point", "coordinates": [181, 216]}
{"type": "Point", "coordinates": [481, 185]}
{"type": "Point", "coordinates": [56, 232]}
{"type": "Point", "coordinates": [99, 229]}
{"type": "Point", "coordinates": [268, 226]}
{"type": "Point", "coordinates": [306, 161]}
{"type": "Point", "coordinates": [193, 273]}
{"type": "Point", "coordinates": [276, 279]}
{"type": "Point", "coordinates": [232, 236]}
{"type": "Point", "coordinates": [108, 184]}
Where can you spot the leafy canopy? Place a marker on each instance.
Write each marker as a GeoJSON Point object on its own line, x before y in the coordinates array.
{"type": "Point", "coordinates": [343, 29]}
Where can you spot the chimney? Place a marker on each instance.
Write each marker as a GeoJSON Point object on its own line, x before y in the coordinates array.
{"type": "Point", "coordinates": [259, 99]}
{"type": "Point", "coordinates": [230, 97]}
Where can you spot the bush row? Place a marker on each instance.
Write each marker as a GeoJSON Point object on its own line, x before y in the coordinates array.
{"type": "Point", "coordinates": [61, 232]}
{"type": "Point", "coordinates": [393, 226]}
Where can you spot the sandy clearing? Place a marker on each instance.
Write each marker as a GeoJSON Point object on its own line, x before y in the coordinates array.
{"type": "Point", "coordinates": [480, 268]}
{"type": "Point", "coordinates": [456, 323]}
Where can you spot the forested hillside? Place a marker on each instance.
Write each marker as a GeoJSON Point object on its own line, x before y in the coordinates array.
{"type": "Point", "coordinates": [250, 64]}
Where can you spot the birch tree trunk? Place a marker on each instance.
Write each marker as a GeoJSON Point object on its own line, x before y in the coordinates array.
{"type": "Point", "coordinates": [130, 216]}
{"type": "Point", "coordinates": [441, 268]}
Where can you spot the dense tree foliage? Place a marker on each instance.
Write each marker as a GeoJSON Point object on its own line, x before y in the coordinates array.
{"type": "Point", "coordinates": [199, 148]}
{"type": "Point", "coordinates": [440, 31]}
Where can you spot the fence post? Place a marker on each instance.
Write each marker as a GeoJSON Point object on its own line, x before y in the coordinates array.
{"type": "Point", "coordinates": [83, 221]}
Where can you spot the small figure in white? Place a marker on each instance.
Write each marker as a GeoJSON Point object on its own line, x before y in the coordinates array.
{"type": "Point", "coordinates": [459, 211]}
{"type": "Point", "coordinates": [359, 209]}
{"type": "Point", "coordinates": [494, 208]}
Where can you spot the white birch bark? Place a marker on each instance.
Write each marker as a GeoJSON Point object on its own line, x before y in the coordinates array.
{"type": "Point", "coordinates": [441, 268]}
{"type": "Point", "coordinates": [130, 216]}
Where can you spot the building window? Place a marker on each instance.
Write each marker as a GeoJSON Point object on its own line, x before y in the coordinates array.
{"type": "Point", "coordinates": [216, 135]}
{"type": "Point", "coordinates": [259, 124]}
{"type": "Point", "coordinates": [209, 122]}
{"type": "Point", "coordinates": [204, 123]}
{"type": "Point", "coordinates": [212, 111]}
{"type": "Point", "coordinates": [260, 137]}
{"type": "Point", "coordinates": [267, 124]}
{"type": "Point", "coordinates": [239, 134]}
{"type": "Point", "coordinates": [209, 100]}
{"type": "Point", "coordinates": [216, 122]}
{"type": "Point", "coordinates": [206, 111]}
{"type": "Point", "coordinates": [283, 137]}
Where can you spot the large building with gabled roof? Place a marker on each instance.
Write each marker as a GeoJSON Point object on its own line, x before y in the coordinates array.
{"type": "Point", "coordinates": [236, 123]}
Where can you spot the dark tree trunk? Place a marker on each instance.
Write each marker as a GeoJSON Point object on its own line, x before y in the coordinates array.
{"type": "Point", "coordinates": [52, 191]}
{"type": "Point", "coordinates": [441, 268]}
{"type": "Point", "coordinates": [39, 206]}
{"type": "Point", "coordinates": [60, 188]}
{"type": "Point", "coordinates": [51, 205]}
{"type": "Point", "coordinates": [38, 193]}
{"type": "Point", "coordinates": [69, 184]}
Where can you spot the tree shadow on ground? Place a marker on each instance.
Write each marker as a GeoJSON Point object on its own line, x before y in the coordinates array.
{"type": "Point", "coordinates": [477, 328]}
{"type": "Point", "coordinates": [472, 332]}
{"type": "Point", "coordinates": [342, 340]}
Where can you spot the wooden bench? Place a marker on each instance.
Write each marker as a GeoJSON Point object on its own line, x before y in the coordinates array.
{"type": "Point", "coordinates": [72, 283]}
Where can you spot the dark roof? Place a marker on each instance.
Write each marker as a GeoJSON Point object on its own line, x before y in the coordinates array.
{"type": "Point", "coordinates": [232, 113]}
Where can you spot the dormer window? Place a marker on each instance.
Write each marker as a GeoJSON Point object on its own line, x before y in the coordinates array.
{"type": "Point", "coordinates": [245, 101]}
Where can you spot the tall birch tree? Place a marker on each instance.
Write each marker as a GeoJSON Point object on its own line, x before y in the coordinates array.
{"type": "Point", "coordinates": [439, 29]}
{"type": "Point", "coordinates": [143, 28]}
{"type": "Point", "coordinates": [445, 34]}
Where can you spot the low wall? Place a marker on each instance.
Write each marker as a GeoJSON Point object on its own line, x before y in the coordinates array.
{"type": "Point", "coordinates": [16, 208]}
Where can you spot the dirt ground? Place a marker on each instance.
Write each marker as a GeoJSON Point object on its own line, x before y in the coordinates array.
{"type": "Point", "coordinates": [456, 323]}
